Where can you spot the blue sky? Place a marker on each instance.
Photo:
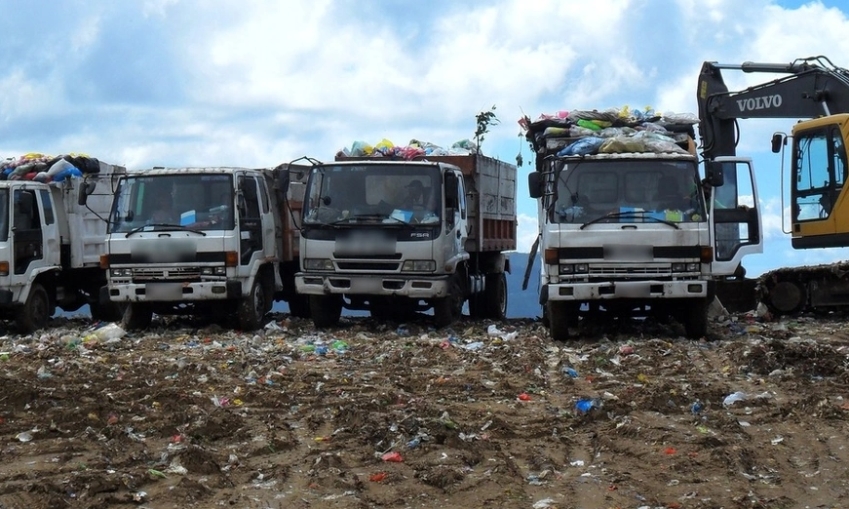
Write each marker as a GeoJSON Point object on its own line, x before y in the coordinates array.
{"type": "Point", "coordinates": [174, 82]}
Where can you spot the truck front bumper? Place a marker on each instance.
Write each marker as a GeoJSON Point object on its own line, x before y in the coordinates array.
{"type": "Point", "coordinates": [413, 286]}
{"type": "Point", "coordinates": [175, 292]}
{"type": "Point", "coordinates": [628, 290]}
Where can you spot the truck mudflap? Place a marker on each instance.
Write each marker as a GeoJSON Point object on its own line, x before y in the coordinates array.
{"type": "Point", "coordinates": [628, 290]}
{"type": "Point", "coordinates": [176, 292]}
{"type": "Point", "coordinates": [377, 285]}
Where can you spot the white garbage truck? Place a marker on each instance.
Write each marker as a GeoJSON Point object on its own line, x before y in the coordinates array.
{"type": "Point", "coordinates": [624, 223]}
{"type": "Point", "coordinates": [396, 236]}
{"type": "Point", "coordinates": [215, 241]}
{"type": "Point", "coordinates": [51, 242]}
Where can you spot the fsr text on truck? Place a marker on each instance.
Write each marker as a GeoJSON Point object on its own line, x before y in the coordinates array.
{"type": "Point", "coordinates": [51, 241]}
{"type": "Point", "coordinates": [399, 236]}
{"type": "Point", "coordinates": [215, 241]}
{"type": "Point", "coordinates": [624, 224]}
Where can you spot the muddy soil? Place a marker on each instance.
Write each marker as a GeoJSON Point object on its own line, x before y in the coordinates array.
{"type": "Point", "coordinates": [628, 415]}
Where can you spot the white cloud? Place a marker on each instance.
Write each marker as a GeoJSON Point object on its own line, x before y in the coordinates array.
{"type": "Point", "coordinates": [526, 233]}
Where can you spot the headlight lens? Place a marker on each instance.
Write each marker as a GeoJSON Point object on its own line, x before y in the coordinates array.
{"type": "Point", "coordinates": [120, 272]}
{"type": "Point", "coordinates": [582, 268]}
{"type": "Point", "coordinates": [694, 267]}
{"type": "Point", "coordinates": [678, 267]}
{"type": "Point", "coordinates": [567, 269]}
{"type": "Point", "coordinates": [206, 271]}
{"type": "Point", "coordinates": [419, 266]}
{"type": "Point", "coordinates": [318, 264]}
{"type": "Point", "coordinates": [220, 271]}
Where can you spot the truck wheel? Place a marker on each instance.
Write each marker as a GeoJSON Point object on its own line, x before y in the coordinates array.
{"type": "Point", "coordinates": [695, 318]}
{"type": "Point", "coordinates": [448, 309]}
{"type": "Point", "coordinates": [299, 306]}
{"type": "Point", "coordinates": [496, 295]}
{"type": "Point", "coordinates": [325, 310]}
{"type": "Point", "coordinates": [560, 316]}
{"type": "Point", "coordinates": [252, 307]}
{"type": "Point", "coordinates": [36, 310]}
{"type": "Point", "coordinates": [137, 316]}
{"type": "Point", "coordinates": [112, 312]}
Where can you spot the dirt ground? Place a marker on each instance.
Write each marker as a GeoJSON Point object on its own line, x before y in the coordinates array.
{"type": "Point", "coordinates": [629, 415]}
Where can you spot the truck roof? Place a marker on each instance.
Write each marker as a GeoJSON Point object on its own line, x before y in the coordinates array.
{"type": "Point", "coordinates": [189, 170]}
{"type": "Point", "coordinates": [629, 155]}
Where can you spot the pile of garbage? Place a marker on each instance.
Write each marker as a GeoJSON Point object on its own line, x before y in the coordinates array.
{"type": "Point", "coordinates": [415, 148]}
{"type": "Point", "coordinates": [611, 131]}
{"type": "Point", "coordinates": [44, 168]}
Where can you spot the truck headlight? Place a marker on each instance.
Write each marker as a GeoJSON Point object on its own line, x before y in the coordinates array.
{"type": "Point", "coordinates": [121, 272]}
{"type": "Point", "coordinates": [582, 268]}
{"type": "Point", "coordinates": [694, 267]}
{"type": "Point", "coordinates": [220, 271]}
{"type": "Point", "coordinates": [419, 266]}
{"type": "Point", "coordinates": [318, 264]}
{"type": "Point", "coordinates": [679, 267]}
{"type": "Point", "coordinates": [206, 271]}
{"type": "Point", "coordinates": [567, 269]}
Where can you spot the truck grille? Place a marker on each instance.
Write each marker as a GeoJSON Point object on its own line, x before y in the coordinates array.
{"type": "Point", "coordinates": [166, 274]}
{"type": "Point", "coordinates": [382, 266]}
{"type": "Point", "coordinates": [628, 271]}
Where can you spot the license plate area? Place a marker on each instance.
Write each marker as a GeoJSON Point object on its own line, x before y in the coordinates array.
{"type": "Point", "coordinates": [163, 291]}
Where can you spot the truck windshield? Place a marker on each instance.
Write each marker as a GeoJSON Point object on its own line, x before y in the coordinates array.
{"type": "Point", "coordinates": [195, 201]}
{"type": "Point", "coordinates": [628, 191]}
{"type": "Point", "coordinates": [4, 215]}
{"type": "Point", "coordinates": [373, 193]}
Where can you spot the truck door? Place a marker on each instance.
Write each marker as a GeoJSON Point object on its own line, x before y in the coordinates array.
{"type": "Point", "coordinates": [250, 219]}
{"type": "Point", "coordinates": [455, 215]}
{"type": "Point", "coordinates": [27, 235]}
{"type": "Point", "coordinates": [735, 218]}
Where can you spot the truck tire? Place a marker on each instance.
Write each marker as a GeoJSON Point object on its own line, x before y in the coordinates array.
{"type": "Point", "coordinates": [695, 318]}
{"type": "Point", "coordinates": [561, 315]}
{"type": "Point", "coordinates": [137, 316]}
{"type": "Point", "coordinates": [448, 309]}
{"type": "Point", "coordinates": [325, 310]}
{"type": "Point", "coordinates": [496, 295]}
{"type": "Point", "coordinates": [111, 312]}
{"type": "Point", "coordinates": [35, 312]}
{"type": "Point", "coordinates": [299, 306]}
{"type": "Point", "coordinates": [252, 307]}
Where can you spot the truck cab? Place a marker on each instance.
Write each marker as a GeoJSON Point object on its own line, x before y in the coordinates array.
{"type": "Point", "coordinates": [51, 238]}
{"type": "Point", "coordinates": [396, 236]}
{"type": "Point", "coordinates": [198, 241]}
{"type": "Point", "coordinates": [634, 234]}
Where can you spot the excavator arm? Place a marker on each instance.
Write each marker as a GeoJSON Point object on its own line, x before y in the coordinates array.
{"type": "Point", "coordinates": [813, 87]}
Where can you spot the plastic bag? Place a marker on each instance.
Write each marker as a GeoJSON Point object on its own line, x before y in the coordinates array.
{"type": "Point", "coordinates": [680, 118]}
{"type": "Point", "coordinates": [661, 146]}
{"type": "Point", "coordinates": [612, 132]}
{"type": "Point", "coordinates": [623, 144]}
{"type": "Point", "coordinates": [551, 132]}
{"type": "Point", "coordinates": [580, 132]}
{"type": "Point", "coordinates": [361, 148]}
{"type": "Point", "coordinates": [584, 146]}
{"type": "Point", "coordinates": [385, 147]}
{"type": "Point", "coordinates": [587, 124]}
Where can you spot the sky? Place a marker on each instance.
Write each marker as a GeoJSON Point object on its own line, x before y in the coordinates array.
{"type": "Point", "coordinates": [257, 83]}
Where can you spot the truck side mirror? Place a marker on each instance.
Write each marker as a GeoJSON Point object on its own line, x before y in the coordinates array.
{"type": "Point", "coordinates": [86, 188]}
{"type": "Point", "coordinates": [777, 142]}
{"type": "Point", "coordinates": [714, 173]}
{"type": "Point", "coordinates": [535, 184]}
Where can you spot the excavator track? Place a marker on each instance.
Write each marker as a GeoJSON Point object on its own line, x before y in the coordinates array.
{"type": "Point", "coordinates": [794, 290]}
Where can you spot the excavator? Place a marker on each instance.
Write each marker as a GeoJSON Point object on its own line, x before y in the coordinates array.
{"type": "Point", "coordinates": [817, 91]}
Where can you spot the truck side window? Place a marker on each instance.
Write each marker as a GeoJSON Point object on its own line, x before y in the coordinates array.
{"type": "Point", "coordinates": [249, 205]}
{"type": "Point", "coordinates": [47, 204]}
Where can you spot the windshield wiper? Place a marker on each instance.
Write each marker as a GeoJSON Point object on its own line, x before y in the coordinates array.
{"type": "Point", "coordinates": [375, 217]}
{"type": "Point", "coordinates": [629, 213]}
{"type": "Point", "coordinates": [167, 226]}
